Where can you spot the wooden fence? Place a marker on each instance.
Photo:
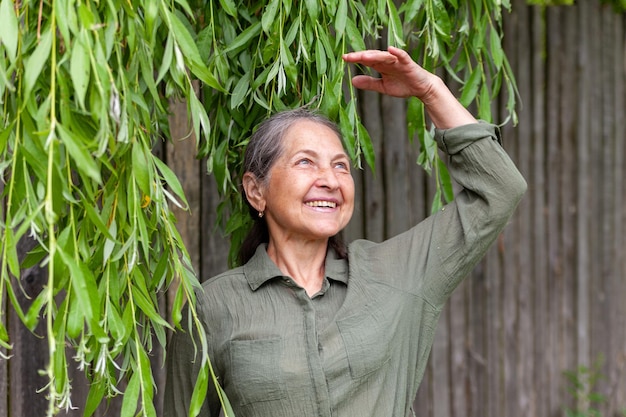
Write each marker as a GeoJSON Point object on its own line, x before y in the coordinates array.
{"type": "Point", "coordinates": [549, 296]}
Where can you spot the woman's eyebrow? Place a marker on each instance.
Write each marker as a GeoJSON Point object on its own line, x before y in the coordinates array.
{"type": "Point", "coordinates": [311, 152]}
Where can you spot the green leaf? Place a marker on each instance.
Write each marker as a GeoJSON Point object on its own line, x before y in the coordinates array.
{"type": "Point", "coordinates": [354, 36]}
{"type": "Point", "coordinates": [470, 89]}
{"type": "Point", "coordinates": [268, 17]}
{"type": "Point", "coordinates": [190, 51]}
{"type": "Point", "coordinates": [445, 181]}
{"type": "Point", "coordinates": [240, 92]}
{"type": "Point", "coordinates": [110, 242]}
{"type": "Point", "coordinates": [4, 337]}
{"type": "Point", "coordinates": [37, 62]}
{"type": "Point", "coordinates": [320, 57]}
{"type": "Point", "coordinates": [80, 68]}
{"type": "Point", "coordinates": [366, 146]}
{"type": "Point", "coordinates": [177, 307]}
{"type": "Point", "coordinates": [75, 317]}
{"type": "Point", "coordinates": [116, 324]}
{"type": "Point", "coordinates": [146, 374]}
{"type": "Point", "coordinates": [94, 397]}
{"type": "Point", "coordinates": [244, 38]}
{"type": "Point", "coordinates": [149, 310]}
{"type": "Point", "coordinates": [32, 315]}
{"type": "Point", "coordinates": [84, 286]}
{"type": "Point", "coordinates": [199, 117]}
{"type": "Point", "coordinates": [131, 396]}
{"type": "Point", "coordinates": [141, 169]}
{"type": "Point", "coordinates": [166, 59]}
{"type": "Point", "coordinates": [395, 25]}
{"type": "Point", "coordinates": [313, 7]}
{"type": "Point", "coordinates": [229, 7]}
{"type": "Point", "coordinates": [340, 19]}
{"type": "Point", "coordinates": [8, 28]}
{"type": "Point", "coordinates": [94, 216]}
{"type": "Point", "coordinates": [484, 104]}
{"type": "Point", "coordinates": [171, 179]}
{"type": "Point", "coordinates": [10, 246]}
{"type": "Point", "coordinates": [497, 54]}
{"type": "Point", "coordinates": [228, 409]}
{"type": "Point", "coordinates": [80, 155]}
{"type": "Point", "coordinates": [199, 392]}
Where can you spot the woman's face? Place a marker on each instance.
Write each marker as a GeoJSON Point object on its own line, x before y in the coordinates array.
{"type": "Point", "coordinates": [310, 193]}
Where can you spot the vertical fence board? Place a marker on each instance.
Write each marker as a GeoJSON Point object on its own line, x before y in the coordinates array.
{"type": "Point", "coordinates": [30, 350]}
{"type": "Point", "coordinates": [553, 249]}
{"type": "Point", "coordinates": [617, 360]}
{"type": "Point", "coordinates": [372, 217]}
{"type": "Point", "coordinates": [569, 95]}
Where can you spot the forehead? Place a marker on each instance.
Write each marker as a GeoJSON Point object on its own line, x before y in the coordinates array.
{"type": "Point", "coordinates": [311, 134]}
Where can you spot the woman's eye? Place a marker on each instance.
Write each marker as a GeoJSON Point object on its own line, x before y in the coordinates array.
{"type": "Point", "coordinates": [341, 165]}
{"type": "Point", "coordinates": [304, 161]}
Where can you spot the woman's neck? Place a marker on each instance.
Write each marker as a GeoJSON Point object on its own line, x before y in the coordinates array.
{"type": "Point", "coordinates": [304, 262]}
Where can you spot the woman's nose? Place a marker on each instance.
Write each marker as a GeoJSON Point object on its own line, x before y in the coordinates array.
{"type": "Point", "coordinates": [327, 179]}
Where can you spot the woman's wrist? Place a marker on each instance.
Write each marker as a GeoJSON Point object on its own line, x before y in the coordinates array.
{"type": "Point", "coordinates": [442, 106]}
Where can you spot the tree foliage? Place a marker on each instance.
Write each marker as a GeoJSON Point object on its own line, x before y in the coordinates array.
{"type": "Point", "coordinates": [84, 90]}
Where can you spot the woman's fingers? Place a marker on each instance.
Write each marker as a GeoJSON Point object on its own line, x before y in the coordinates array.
{"type": "Point", "coordinates": [365, 82]}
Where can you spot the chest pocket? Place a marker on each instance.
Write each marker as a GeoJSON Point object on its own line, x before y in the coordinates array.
{"type": "Point", "coordinates": [368, 339]}
{"type": "Point", "coordinates": [255, 370]}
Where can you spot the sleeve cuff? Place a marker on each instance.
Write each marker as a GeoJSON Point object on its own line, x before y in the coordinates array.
{"type": "Point", "coordinates": [454, 140]}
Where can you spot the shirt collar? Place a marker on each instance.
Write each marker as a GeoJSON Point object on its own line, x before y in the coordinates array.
{"type": "Point", "coordinates": [260, 268]}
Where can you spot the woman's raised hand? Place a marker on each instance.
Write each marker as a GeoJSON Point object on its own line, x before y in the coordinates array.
{"type": "Point", "coordinates": [400, 76]}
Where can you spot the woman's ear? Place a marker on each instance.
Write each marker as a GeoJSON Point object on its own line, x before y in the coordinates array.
{"type": "Point", "coordinates": [254, 191]}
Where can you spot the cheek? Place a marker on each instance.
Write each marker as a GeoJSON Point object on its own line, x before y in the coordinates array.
{"type": "Point", "coordinates": [348, 191]}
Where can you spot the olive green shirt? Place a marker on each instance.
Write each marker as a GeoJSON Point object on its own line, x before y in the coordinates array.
{"type": "Point", "coordinates": [359, 347]}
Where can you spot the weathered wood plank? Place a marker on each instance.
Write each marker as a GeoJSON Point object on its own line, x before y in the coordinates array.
{"type": "Point", "coordinates": [553, 272]}
{"type": "Point", "coordinates": [30, 349]}
{"type": "Point", "coordinates": [567, 79]}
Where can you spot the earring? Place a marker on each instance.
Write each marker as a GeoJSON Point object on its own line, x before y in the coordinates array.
{"type": "Point", "coordinates": [260, 214]}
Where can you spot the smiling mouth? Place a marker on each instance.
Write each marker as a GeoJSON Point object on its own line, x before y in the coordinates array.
{"type": "Point", "coordinates": [321, 203]}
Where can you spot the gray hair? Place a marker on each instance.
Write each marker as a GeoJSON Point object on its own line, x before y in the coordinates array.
{"type": "Point", "coordinates": [266, 143]}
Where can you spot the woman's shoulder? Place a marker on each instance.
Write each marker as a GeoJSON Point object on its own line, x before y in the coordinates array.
{"type": "Point", "coordinates": [224, 284]}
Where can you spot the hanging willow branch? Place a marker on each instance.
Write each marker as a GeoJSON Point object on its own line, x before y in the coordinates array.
{"type": "Point", "coordinates": [83, 103]}
{"type": "Point", "coordinates": [278, 54]}
{"type": "Point", "coordinates": [84, 88]}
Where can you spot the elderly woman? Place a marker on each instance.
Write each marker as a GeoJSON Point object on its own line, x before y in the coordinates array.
{"type": "Point", "coordinates": [310, 327]}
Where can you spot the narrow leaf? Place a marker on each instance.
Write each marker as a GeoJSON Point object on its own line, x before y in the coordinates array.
{"type": "Point", "coordinates": [94, 397]}
{"type": "Point", "coordinates": [229, 7]}
{"type": "Point", "coordinates": [340, 19]}
{"type": "Point", "coordinates": [269, 15]}
{"type": "Point", "coordinates": [131, 397]}
{"type": "Point", "coordinates": [313, 7]}
{"type": "Point", "coordinates": [140, 169]}
{"type": "Point", "coordinates": [8, 28]}
{"type": "Point", "coordinates": [471, 87]}
{"type": "Point", "coordinates": [199, 392]}
{"type": "Point", "coordinates": [240, 92]}
{"type": "Point", "coordinates": [80, 155]}
{"type": "Point", "coordinates": [244, 38]}
{"type": "Point", "coordinates": [80, 68]}
{"type": "Point", "coordinates": [37, 62]}
{"type": "Point", "coordinates": [171, 179]}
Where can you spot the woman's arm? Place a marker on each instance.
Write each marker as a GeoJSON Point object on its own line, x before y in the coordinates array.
{"type": "Point", "coordinates": [439, 252]}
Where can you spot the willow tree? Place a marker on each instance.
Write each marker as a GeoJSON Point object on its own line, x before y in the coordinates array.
{"type": "Point", "coordinates": [84, 90]}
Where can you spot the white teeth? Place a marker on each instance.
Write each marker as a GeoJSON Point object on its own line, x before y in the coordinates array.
{"type": "Point", "coordinates": [321, 204]}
